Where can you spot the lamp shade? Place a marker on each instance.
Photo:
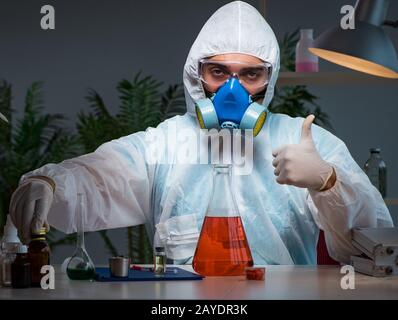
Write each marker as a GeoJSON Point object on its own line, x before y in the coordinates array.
{"type": "Point", "coordinates": [366, 48]}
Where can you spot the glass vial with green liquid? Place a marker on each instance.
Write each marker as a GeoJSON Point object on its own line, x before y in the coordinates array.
{"type": "Point", "coordinates": [160, 261]}
{"type": "Point", "coordinates": [80, 266]}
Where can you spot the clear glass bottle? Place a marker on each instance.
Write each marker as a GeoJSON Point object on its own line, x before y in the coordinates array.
{"type": "Point", "coordinates": [160, 260]}
{"type": "Point", "coordinates": [6, 262]}
{"type": "Point", "coordinates": [80, 265]}
{"type": "Point", "coordinates": [39, 255]}
{"type": "Point", "coordinates": [20, 269]}
{"type": "Point", "coordinates": [8, 248]}
{"type": "Point", "coordinates": [375, 168]}
{"type": "Point", "coordinates": [305, 60]}
{"type": "Point", "coordinates": [222, 249]}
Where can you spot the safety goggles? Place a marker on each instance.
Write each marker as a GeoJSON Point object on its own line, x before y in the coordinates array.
{"type": "Point", "coordinates": [251, 76]}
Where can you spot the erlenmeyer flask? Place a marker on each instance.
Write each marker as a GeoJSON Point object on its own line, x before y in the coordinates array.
{"type": "Point", "coordinates": [80, 266]}
{"type": "Point", "coordinates": [222, 249]}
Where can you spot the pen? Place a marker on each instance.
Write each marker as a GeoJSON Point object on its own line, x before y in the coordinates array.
{"type": "Point", "coordinates": [135, 267]}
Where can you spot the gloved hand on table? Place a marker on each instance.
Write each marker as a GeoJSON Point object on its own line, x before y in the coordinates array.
{"type": "Point", "coordinates": [300, 164]}
{"type": "Point", "coordinates": [30, 204]}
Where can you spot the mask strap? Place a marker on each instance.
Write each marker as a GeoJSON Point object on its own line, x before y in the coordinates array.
{"type": "Point", "coordinates": [259, 95]}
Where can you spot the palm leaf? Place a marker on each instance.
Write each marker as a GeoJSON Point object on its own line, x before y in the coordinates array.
{"type": "Point", "coordinates": [142, 105]}
{"type": "Point", "coordinates": [6, 112]}
{"type": "Point", "coordinates": [108, 243]}
{"type": "Point", "coordinates": [2, 117]}
{"type": "Point", "coordinates": [139, 107]}
{"type": "Point", "coordinates": [287, 50]}
{"type": "Point", "coordinates": [172, 102]}
{"type": "Point", "coordinates": [35, 140]}
{"type": "Point", "coordinates": [97, 104]}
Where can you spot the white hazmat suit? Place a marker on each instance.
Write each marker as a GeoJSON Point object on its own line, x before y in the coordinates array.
{"type": "Point", "coordinates": [282, 222]}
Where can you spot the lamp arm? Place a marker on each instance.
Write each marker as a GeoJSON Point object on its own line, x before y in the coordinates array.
{"type": "Point", "coordinates": [391, 23]}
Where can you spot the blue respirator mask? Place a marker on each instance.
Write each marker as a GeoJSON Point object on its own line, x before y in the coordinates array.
{"type": "Point", "coordinates": [231, 107]}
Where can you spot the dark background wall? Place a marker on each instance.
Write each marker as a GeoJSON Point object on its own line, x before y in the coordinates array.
{"type": "Point", "coordinates": [97, 43]}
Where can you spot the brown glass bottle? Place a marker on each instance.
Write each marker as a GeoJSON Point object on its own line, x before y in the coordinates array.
{"type": "Point", "coordinates": [39, 256]}
{"type": "Point", "coordinates": [20, 269]}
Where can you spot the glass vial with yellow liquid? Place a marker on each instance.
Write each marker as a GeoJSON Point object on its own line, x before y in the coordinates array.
{"type": "Point", "coordinates": [222, 249]}
{"type": "Point", "coordinates": [160, 261]}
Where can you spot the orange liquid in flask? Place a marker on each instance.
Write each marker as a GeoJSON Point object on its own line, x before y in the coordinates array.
{"type": "Point", "coordinates": [222, 248]}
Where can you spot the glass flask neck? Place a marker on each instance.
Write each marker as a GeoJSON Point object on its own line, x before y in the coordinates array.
{"type": "Point", "coordinates": [80, 266]}
{"type": "Point", "coordinates": [222, 203]}
{"type": "Point", "coordinates": [80, 239]}
{"type": "Point", "coordinates": [80, 222]}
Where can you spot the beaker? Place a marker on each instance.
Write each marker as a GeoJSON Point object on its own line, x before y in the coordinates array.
{"type": "Point", "coordinates": [80, 266]}
{"type": "Point", "coordinates": [222, 249]}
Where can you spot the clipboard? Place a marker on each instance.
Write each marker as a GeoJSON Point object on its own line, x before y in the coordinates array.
{"type": "Point", "coordinates": [104, 275]}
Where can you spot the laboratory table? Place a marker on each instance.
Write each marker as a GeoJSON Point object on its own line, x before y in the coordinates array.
{"type": "Point", "coordinates": [282, 282]}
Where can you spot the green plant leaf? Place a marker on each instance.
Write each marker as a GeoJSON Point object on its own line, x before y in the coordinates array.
{"type": "Point", "coordinates": [33, 141]}
{"type": "Point", "coordinates": [142, 105]}
{"type": "Point", "coordinates": [108, 243]}
{"type": "Point", "coordinates": [172, 102]}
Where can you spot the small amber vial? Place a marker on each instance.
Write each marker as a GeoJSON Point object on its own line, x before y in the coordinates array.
{"type": "Point", "coordinates": [160, 261]}
{"type": "Point", "coordinates": [38, 255]}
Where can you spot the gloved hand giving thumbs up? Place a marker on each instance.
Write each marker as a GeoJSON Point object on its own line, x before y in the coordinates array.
{"type": "Point", "coordinates": [300, 164]}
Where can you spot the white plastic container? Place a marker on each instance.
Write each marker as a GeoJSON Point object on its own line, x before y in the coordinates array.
{"type": "Point", "coordinates": [9, 245]}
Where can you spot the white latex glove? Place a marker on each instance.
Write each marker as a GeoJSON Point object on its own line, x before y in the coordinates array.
{"type": "Point", "coordinates": [29, 206]}
{"type": "Point", "coordinates": [300, 164]}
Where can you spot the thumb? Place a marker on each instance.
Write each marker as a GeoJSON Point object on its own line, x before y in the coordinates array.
{"type": "Point", "coordinates": [39, 220]}
{"type": "Point", "coordinates": [306, 135]}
